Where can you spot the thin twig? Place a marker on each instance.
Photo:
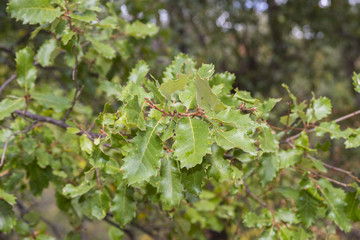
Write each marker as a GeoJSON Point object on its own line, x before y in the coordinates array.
{"type": "Point", "coordinates": [9, 80]}
{"type": "Point", "coordinates": [77, 88]}
{"type": "Point", "coordinates": [336, 120]}
{"type": "Point", "coordinates": [253, 195]}
{"type": "Point", "coordinates": [9, 138]}
{"type": "Point", "coordinates": [7, 50]}
{"type": "Point", "coordinates": [41, 118]}
{"type": "Point", "coordinates": [142, 229]}
{"type": "Point", "coordinates": [111, 222]}
{"type": "Point", "coordinates": [321, 175]}
{"type": "Point", "coordinates": [350, 174]}
{"type": "Point", "coordinates": [23, 210]}
{"type": "Point", "coordinates": [98, 178]}
{"type": "Point", "coordinates": [347, 116]}
{"type": "Point", "coordinates": [82, 130]}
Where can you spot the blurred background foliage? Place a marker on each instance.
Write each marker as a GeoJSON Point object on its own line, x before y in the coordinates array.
{"type": "Point", "coordinates": [311, 45]}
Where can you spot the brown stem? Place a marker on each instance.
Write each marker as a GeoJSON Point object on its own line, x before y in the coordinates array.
{"type": "Point", "coordinates": [98, 178]}
{"type": "Point", "coordinates": [336, 120]}
{"type": "Point", "coordinates": [111, 222]}
{"type": "Point", "coordinates": [9, 80]}
{"type": "Point", "coordinates": [41, 118]}
{"type": "Point", "coordinates": [350, 174]}
{"type": "Point", "coordinates": [253, 195]}
{"type": "Point", "coordinates": [78, 89]}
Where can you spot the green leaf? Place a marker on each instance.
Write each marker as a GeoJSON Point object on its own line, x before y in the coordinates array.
{"type": "Point", "coordinates": [251, 219]}
{"type": "Point", "coordinates": [47, 53]}
{"type": "Point", "coordinates": [33, 11]}
{"type": "Point", "coordinates": [43, 157]}
{"type": "Point", "coordinates": [111, 88]}
{"type": "Point", "coordinates": [234, 118]}
{"type": "Point", "coordinates": [76, 191]}
{"type": "Point", "coordinates": [245, 97]}
{"type": "Point", "coordinates": [169, 131]}
{"type": "Point", "coordinates": [135, 113]}
{"type": "Point", "coordinates": [269, 165]}
{"type": "Point", "coordinates": [306, 208]}
{"type": "Point", "coordinates": [321, 108]}
{"type": "Point", "coordinates": [87, 16]}
{"type": "Point", "coordinates": [7, 217]}
{"type": "Point", "coordinates": [188, 96]}
{"type": "Point", "coordinates": [50, 100]}
{"type": "Point", "coordinates": [170, 187]}
{"type": "Point", "coordinates": [44, 237]}
{"type": "Point", "coordinates": [192, 179]}
{"type": "Point", "coordinates": [86, 144]}
{"type": "Point", "coordinates": [226, 80]}
{"type": "Point", "coordinates": [205, 98]}
{"type": "Point", "coordinates": [104, 49]}
{"type": "Point", "coordinates": [100, 205]}
{"type": "Point", "coordinates": [154, 86]}
{"type": "Point", "coordinates": [292, 96]}
{"type": "Point", "coordinates": [333, 129]}
{"type": "Point", "coordinates": [172, 86]}
{"type": "Point", "coordinates": [25, 70]}
{"type": "Point", "coordinates": [22, 228]}
{"type": "Point", "coordinates": [191, 141]}
{"type": "Point", "coordinates": [73, 130]}
{"type": "Point", "coordinates": [9, 198]}
{"type": "Point", "coordinates": [115, 233]}
{"type": "Point", "coordinates": [219, 167]}
{"type": "Point", "coordinates": [353, 141]}
{"type": "Point", "coordinates": [268, 141]}
{"type": "Point", "coordinates": [286, 215]}
{"type": "Point", "coordinates": [7, 106]}
{"type": "Point", "coordinates": [356, 82]}
{"type": "Point", "coordinates": [131, 90]}
{"type": "Point", "coordinates": [352, 208]}
{"type": "Point", "coordinates": [67, 36]}
{"type": "Point", "coordinates": [289, 157]}
{"type": "Point", "coordinates": [182, 64]}
{"type": "Point", "coordinates": [39, 178]}
{"type": "Point", "coordinates": [144, 157]}
{"type": "Point", "coordinates": [123, 205]}
{"type": "Point", "coordinates": [29, 145]}
{"type": "Point", "coordinates": [265, 108]}
{"type": "Point", "coordinates": [138, 29]}
{"type": "Point", "coordinates": [334, 197]}
{"type": "Point", "coordinates": [235, 138]}
{"type": "Point", "coordinates": [269, 234]}
{"type": "Point", "coordinates": [301, 234]}
{"type": "Point", "coordinates": [138, 73]}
